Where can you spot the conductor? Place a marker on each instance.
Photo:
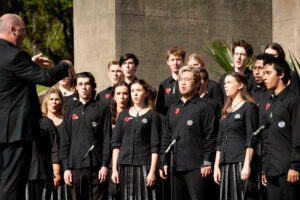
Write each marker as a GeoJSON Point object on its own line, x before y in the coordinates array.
{"type": "Point", "coordinates": [19, 104]}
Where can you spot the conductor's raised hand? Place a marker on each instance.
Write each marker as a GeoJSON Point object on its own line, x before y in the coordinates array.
{"type": "Point", "coordinates": [40, 60]}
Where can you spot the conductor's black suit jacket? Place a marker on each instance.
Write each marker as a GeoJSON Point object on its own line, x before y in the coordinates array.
{"type": "Point", "coordinates": [19, 104]}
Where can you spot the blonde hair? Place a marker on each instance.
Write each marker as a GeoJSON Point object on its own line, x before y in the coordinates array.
{"type": "Point", "coordinates": [46, 98]}
{"type": "Point", "coordinates": [73, 74]}
{"type": "Point", "coordinates": [194, 70]}
{"type": "Point", "coordinates": [198, 58]}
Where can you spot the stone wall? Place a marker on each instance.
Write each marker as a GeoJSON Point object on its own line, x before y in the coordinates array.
{"type": "Point", "coordinates": [148, 28]}
{"type": "Point", "coordinates": [286, 25]}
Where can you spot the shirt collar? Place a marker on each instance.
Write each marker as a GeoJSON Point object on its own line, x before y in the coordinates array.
{"type": "Point", "coordinates": [193, 100]}
{"type": "Point", "coordinates": [171, 79]}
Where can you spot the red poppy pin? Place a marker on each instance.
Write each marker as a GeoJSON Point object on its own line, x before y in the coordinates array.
{"type": "Point", "coordinates": [177, 111]}
{"type": "Point", "coordinates": [267, 106]}
{"type": "Point", "coordinates": [127, 119]}
{"type": "Point", "coordinates": [223, 117]}
{"type": "Point", "coordinates": [107, 96]}
{"type": "Point", "coordinates": [74, 116]}
{"type": "Point", "coordinates": [168, 90]}
{"type": "Point", "coordinates": [113, 126]}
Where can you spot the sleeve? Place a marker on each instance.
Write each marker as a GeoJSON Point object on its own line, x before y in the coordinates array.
{"type": "Point", "coordinates": [217, 94]}
{"type": "Point", "coordinates": [219, 138]}
{"type": "Point", "coordinates": [27, 70]}
{"type": "Point", "coordinates": [165, 138]}
{"type": "Point", "coordinates": [295, 152]}
{"type": "Point", "coordinates": [155, 133]}
{"type": "Point", "coordinates": [251, 120]}
{"type": "Point", "coordinates": [160, 100]}
{"type": "Point", "coordinates": [54, 141]}
{"type": "Point", "coordinates": [116, 139]}
{"type": "Point", "coordinates": [210, 129]}
{"type": "Point", "coordinates": [65, 142]}
{"type": "Point", "coordinates": [106, 130]}
{"type": "Point", "coordinates": [295, 83]}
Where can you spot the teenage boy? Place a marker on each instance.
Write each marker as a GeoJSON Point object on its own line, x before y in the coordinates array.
{"type": "Point", "coordinates": [194, 124]}
{"type": "Point", "coordinates": [242, 52]}
{"type": "Point", "coordinates": [87, 123]}
{"type": "Point", "coordinates": [129, 64]}
{"type": "Point", "coordinates": [115, 76]}
{"type": "Point", "coordinates": [168, 92]}
{"type": "Point", "coordinates": [281, 141]}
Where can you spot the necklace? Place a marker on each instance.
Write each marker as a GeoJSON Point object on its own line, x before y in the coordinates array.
{"type": "Point", "coordinates": [138, 112]}
{"type": "Point", "coordinates": [232, 108]}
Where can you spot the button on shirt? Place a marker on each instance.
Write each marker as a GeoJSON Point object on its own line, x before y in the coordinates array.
{"type": "Point", "coordinates": [168, 94]}
{"type": "Point", "coordinates": [235, 132]}
{"type": "Point", "coordinates": [137, 137]}
{"type": "Point", "coordinates": [196, 125]}
{"type": "Point", "coordinates": [85, 125]}
{"type": "Point", "coordinates": [281, 141]}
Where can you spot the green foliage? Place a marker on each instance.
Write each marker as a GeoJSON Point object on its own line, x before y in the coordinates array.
{"type": "Point", "coordinates": [293, 62]}
{"type": "Point", "coordinates": [220, 52]}
{"type": "Point", "coordinates": [53, 19]}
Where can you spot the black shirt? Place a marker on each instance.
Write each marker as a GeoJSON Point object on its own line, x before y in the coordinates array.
{"type": "Point", "coordinates": [258, 93]}
{"type": "Point", "coordinates": [44, 151]}
{"type": "Point", "coordinates": [85, 125]}
{"type": "Point", "coordinates": [196, 125]}
{"type": "Point", "coordinates": [105, 95]}
{"type": "Point", "coordinates": [214, 103]}
{"type": "Point", "coordinates": [281, 141]}
{"type": "Point", "coordinates": [295, 83]}
{"type": "Point", "coordinates": [69, 100]}
{"type": "Point", "coordinates": [235, 132]}
{"type": "Point", "coordinates": [137, 137]}
{"type": "Point", "coordinates": [215, 92]}
{"type": "Point", "coordinates": [251, 83]}
{"type": "Point", "coordinates": [168, 94]}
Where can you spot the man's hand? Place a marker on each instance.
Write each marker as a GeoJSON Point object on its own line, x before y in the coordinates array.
{"type": "Point", "coordinates": [161, 172]}
{"type": "Point", "coordinates": [264, 180]}
{"type": "Point", "coordinates": [102, 175]}
{"type": "Point", "coordinates": [40, 60]}
{"type": "Point", "coordinates": [205, 171]}
{"type": "Point", "coordinates": [56, 180]}
{"type": "Point", "coordinates": [68, 177]}
{"type": "Point", "coordinates": [293, 176]}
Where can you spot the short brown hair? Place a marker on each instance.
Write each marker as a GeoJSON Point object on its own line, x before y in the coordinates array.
{"type": "Point", "coordinates": [242, 43]}
{"type": "Point", "coordinates": [113, 62]}
{"type": "Point", "coordinates": [176, 51]}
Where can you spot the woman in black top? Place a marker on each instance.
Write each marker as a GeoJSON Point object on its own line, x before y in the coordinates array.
{"type": "Point", "coordinates": [136, 144]}
{"type": "Point", "coordinates": [234, 151]}
{"type": "Point", "coordinates": [53, 108]}
{"type": "Point", "coordinates": [44, 174]}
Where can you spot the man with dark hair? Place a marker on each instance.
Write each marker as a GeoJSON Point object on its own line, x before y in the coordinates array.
{"type": "Point", "coordinates": [242, 53]}
{"type": "Point", "coordinates": [193, 123]}
{"type": "Point", "coordinates": [129, 64]}
{"type": "Point", "coordinates": [168, 92]}
{"type": "Point", "coordinates": [281, 141]}
{"type": "Point", "coordinates": [260, 89]}
{"type": "Point", "coordinates": [86, 123]}
{"type": "Point", "coordinates": [19, 105]}
{"type": "Point", "coordinates": [115, 76]}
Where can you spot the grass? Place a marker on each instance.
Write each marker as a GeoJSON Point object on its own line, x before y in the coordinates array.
{"type": "Point", "coordinates": [40, 88]}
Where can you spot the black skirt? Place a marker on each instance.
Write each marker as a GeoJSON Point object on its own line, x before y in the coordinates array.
{"type": "Point", "coordinates": [232, 187]}
{"type": "Point", "coordinates": [133, 183]}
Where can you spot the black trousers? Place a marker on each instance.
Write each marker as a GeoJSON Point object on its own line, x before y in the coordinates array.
{"type": "Point", "coordinates": [189, 185]}
{"type": "Point", "coordinates": [14, 168]}
{"type": "Point", "coordinates": [81, 178]}
{"type": "Point", "coordinates": [279, 189]}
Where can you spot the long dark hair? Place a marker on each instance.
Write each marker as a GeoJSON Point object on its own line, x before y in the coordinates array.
{"type": "Point", "coordinates": [275, 46]}
{"type": "Point", "coordinates": [245, 94]}
{"type": "Point", "coordinates": [113, 103]}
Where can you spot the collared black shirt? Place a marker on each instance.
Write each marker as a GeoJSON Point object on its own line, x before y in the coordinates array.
{"type": "Point", "coordinates": [251, 83]}
{"type": "Point", "coordinates": [214, 103]}
{"type": "Point", "coordinates": [295, 83]}
{"type": "Point", "coordinates": [69, 100]}
{"type": "Point", "coordinates": [196, 125]}
{"type": "Point", "coordinates": [258, 93]}
{"type": "Point", "coordinates": [281, 141]}
{"type": "Point", "coordinates": [235, 132]}
{"type": "Point", "coordinates": [44, 151]}
{"type": "Point", "coordinates": [85, 125]}
{"type": "Point", "coordinates": [105, 95]}
{"type": "Point", "coordinates": [137, 137]}
{"type": "Point", "coordinates": [214, 91]}
{"type": "Point", "coordinates": [168, 94]}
